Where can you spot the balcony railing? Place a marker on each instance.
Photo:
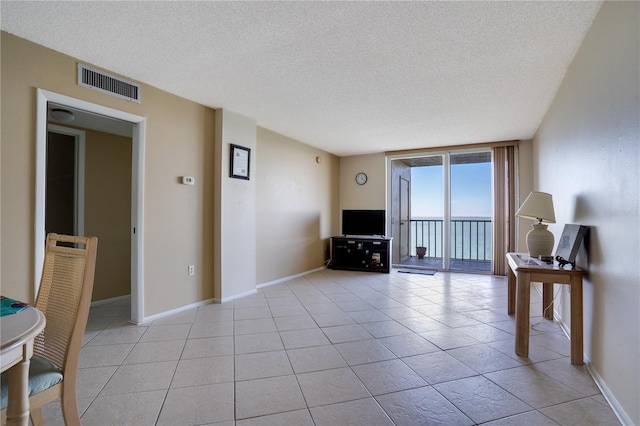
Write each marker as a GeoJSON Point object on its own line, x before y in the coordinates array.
{"type": "Point", "coordinates": [470, 238]}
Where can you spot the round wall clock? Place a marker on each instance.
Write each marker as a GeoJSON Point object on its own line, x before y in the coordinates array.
{"type": "Point", "coordinates": [361, 178]}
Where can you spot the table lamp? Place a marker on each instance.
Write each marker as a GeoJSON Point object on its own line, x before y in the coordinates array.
{"type": "Point", "coordinates": [538, 206]}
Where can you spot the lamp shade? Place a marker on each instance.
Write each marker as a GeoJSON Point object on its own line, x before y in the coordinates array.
{"type": "Point", "coordinates": [538, 206]}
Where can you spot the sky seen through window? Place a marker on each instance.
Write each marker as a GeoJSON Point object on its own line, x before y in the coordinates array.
{"type": "Point", "coordinates": [470, 191]}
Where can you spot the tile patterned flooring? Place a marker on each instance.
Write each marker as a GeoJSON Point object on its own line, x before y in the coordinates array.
{"type": "Point", "coordinates": [336, 348]}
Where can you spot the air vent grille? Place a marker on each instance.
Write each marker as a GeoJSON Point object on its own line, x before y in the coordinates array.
{"type": "Point", "coordinates": [106, 83]}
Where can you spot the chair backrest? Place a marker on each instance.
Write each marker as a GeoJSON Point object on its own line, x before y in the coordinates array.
{"type": "Point", "coordinates": [64, 297]}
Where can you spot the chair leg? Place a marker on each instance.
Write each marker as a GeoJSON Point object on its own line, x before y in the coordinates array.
{"type": "Point", "coordinates": [36, 417]}
{"type": "Point", "coordinates": [70, 410]}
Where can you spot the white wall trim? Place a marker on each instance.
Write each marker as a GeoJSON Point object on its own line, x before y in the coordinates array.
{"type": "Point", "coordinates": [600, 383]}
{"type": "Point", "coordinates": [111, 300]}
{"type": "Point", "coordinates": [174, 311]}
{"type": "Point", "coordinates": [598, 380]}
{"type": "Point", "coordinates": [137, 220]}
{"type": "Point", "coordinates": [608, 395]}
{"type": "Point", "coordinates": [267, 284]}
{"type": "Point", "coordinates": [137, 192]}
{"type": "Point", "coordinates": [209, 301]}
{"type": "Point", "coordinates": [234, 297]}
{"type": "Point", "coordinates": [290, 277]}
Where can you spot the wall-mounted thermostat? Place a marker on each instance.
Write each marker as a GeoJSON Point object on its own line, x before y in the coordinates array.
{"type": "Point", "coordinates": [188, 180]}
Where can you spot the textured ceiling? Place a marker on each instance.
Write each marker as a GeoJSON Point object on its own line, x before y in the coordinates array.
{"type": "Point", "coordinates": [347, 77]}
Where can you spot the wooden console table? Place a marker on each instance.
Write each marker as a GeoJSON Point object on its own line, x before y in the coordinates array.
{"type": "Point", "coordinates": [524, 270]}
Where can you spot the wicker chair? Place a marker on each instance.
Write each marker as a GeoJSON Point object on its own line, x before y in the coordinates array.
{"type": "Point", "coordinates": [64, 297]}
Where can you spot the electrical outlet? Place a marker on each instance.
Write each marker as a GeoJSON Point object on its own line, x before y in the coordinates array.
{"type": "Point", "coordinates": [191, 270]}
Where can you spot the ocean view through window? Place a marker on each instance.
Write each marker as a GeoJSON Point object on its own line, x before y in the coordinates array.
{"type": "Point", "coordinates": [451, 196]}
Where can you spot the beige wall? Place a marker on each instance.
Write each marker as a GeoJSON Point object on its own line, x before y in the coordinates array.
{"type": "Point", "coordinates": [179, 141]}
{"type": "Point", "coordinates": [296, 206]}
{"type": "Point", "coordinates": [235, 212]}
{"type": "Point", "coordinates": [211, 224]}
{"type": "Point", "coordinates": [525, 186]}
{"type": "Point", "coordinates": [586, 153]}
{"type": "Point", "coordinates": [108, 210]}
{"type": "Point", "coordinates": [371, 195]}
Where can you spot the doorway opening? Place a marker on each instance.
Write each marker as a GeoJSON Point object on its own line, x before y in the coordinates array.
{"type": "Point", "coordinates": [65, 180]}
{"type": "Point", "coordinates": [136, 228]}
{"type": "Point", "coordinates": [450, 225]}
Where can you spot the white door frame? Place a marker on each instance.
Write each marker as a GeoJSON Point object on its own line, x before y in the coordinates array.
{"type": "Point", "coordinates": [137, 189]}
{"type": "Point", "coordinates": [78, 182]}
{"type": "Point", "coordinates": [446, 183]}
{"type": "Point", "coordinates": [407, 224]}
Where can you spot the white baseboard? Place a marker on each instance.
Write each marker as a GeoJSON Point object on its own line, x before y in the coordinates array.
{"type": "Point", "coordinates": [152, 317]}
{"type": "Point", "coordinates": [608, 395]}
{"type": "Point", "coordinates": [267, 284]}
{"type": "Point", "coordinates": [234, 297]}
{"type": "Point", "coordinates": [111, 300]}
{"type": "Point", "coordinates": [175, 311]}
{"type": "Point", "coordinates": [208, 301]}
{"type": "Point", "coordinates": [600, 383]}
{"type": "Point", "coordinates": [291, 277]}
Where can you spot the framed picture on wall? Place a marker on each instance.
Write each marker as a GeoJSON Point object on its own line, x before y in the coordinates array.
{"type": "Point", "coordinates": [240, 161]}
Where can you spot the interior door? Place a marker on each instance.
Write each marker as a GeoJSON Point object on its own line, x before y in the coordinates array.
{"type": "Point", "coordinates": [62, 184]}
{"type": "Point", "coordinates": [405, 218]}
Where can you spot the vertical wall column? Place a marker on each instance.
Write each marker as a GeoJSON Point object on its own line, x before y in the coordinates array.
{"type": "Point", "coordinates": [235, 210]}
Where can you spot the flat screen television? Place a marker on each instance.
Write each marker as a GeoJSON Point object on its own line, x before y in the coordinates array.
{"type": "Point", "coordinates": [363, 222]}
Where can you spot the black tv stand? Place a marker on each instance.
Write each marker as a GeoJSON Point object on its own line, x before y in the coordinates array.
{"type": "Point", "coordinates": [361, 253]}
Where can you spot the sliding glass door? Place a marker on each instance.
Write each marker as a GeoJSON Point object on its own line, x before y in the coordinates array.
{"type": "Point", "coordinates": [470, 222]}
{"type": "Point", "coordinates": [451, 211]}
{"type": "Point", "coordinates": [427, 212]}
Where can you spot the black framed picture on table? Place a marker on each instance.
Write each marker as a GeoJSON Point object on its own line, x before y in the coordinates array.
{"type": "Point", "coordinates": [569, 244]}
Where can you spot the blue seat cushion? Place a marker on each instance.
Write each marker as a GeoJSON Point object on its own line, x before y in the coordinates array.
{"type": "Point", "coordinates": [42, 375]}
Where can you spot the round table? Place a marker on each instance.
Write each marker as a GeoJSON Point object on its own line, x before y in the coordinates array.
{"type": "Point", "coordinates": [18, 332]}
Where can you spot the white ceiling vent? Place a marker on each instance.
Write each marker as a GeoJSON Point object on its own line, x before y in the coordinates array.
{"type": "Point", "coordinates": [107, 83]}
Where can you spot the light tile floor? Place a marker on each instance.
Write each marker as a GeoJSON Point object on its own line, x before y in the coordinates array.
{"type": "Point", "coordinates": [335, 348]}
